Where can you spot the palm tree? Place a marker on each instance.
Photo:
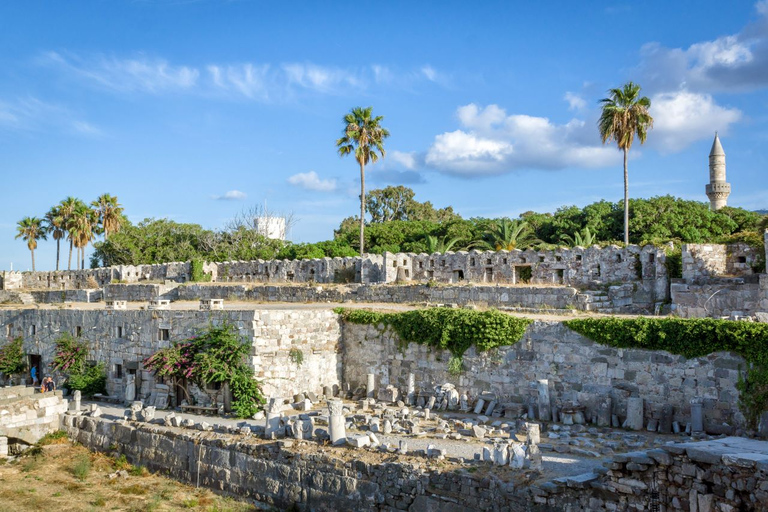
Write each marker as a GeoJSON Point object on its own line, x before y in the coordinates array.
{"type": "Point", "coordinates": [507, 235]}
{"type": "Point", "coordinates": [364, 136]}
{"type": "Point", "coordinates": [440, 245]}
{"type": "Point", "coordinates": [31, 229]}
{"type": "Point", "coordinates": [67, 211]}
{"type": "Point", "coordinates": [110, 213]}
{"type": "Point", "coordinates": [84, 226]}
{"type": "Point", "coordinates": [55, 225]}
{"type": "Point", "coordinates": [584, 239]}
{"type": "Point", "coordinates": [625, 114]}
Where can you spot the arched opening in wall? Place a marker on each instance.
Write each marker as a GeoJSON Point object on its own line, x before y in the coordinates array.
{"type": "Point", "coordinates": [522, 274]}
{"type": "Point", "coordinates": [618, 258]}
{"type": "Point", "coordinates": [35, 361]}
{"type": "Point", "coordinates": [488, 276]}
{"type": "Point", "coordinates": [289, 276]}
{"type": "Point", "coordinates": [559, 276]}
{"type": "Point", "coordinates": [311, 274]}
{"type": "Point", "coordinates": [458, 275]}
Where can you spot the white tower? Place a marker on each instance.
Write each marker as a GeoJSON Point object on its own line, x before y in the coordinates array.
{"type": "Point", "coordinates": [717, 190]}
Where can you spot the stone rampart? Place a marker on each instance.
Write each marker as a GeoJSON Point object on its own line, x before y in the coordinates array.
{"type": "Point", "coordinates": [705, 261]}
{"type": "Point", "coordinates": [577, 369]}
{"type": "Point", "coordinates": [727, 474]}
{"type": "Point", "coordinates": [122, 339]}
{"type": "Point", "coordinates": [53, 296]}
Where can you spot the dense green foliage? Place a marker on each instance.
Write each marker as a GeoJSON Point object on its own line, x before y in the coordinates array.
{"type": "Point", "coordinates": [90, 382]}
{"type": "Point", "coordinates": [398, 203]}
{"type": "Point", "coordinates": [70, 359]}
{"type": "Point", "coordinates": [216, 355]}
{"type": "Point", "coordinates": [12, 359]}
{"type": "Point", "coordinates": [196, 273]}
{"type": "Point", "coordinates": [449, 329]}
{"type": "Point", "coordinates": [692, 338]}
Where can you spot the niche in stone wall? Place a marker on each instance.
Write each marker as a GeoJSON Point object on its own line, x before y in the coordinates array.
{"type": "Point", "coordinates": [458, 275]}
{"type": "Point", "coordinates": [522, 274]}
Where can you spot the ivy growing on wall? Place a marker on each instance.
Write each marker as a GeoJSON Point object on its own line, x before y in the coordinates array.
{"type": "Point", "coordinates": [450, 329]}
{"type": "Point", "coordinates": [693, 338]}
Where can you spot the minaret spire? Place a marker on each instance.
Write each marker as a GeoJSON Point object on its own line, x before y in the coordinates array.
{"type": "Point", "coordinates": [718, 189]}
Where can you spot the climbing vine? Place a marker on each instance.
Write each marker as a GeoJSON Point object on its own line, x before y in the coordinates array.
{"type": "Point", "coordinates": [693, 338]}
{"type": "Point", "coordinates": [12, 357]}
{"type": "Point", "coordinates": [451, 329]}
{"type": "Point", "coordinates": [216, 355]}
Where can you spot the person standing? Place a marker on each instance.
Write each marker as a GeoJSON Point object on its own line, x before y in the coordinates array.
{"type": "Point", "coordinates": [33, 374]}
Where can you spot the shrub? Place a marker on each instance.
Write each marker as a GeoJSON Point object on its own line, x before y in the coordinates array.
{"type": "Point", "coordinates": [92, 381]}
{"type": "Point", "coordinates": [82, 467]}
{"type": "Point", "coordinates": [12, 359]}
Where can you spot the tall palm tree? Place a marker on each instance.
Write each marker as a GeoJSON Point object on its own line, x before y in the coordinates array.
{"type": "Point", "coordinates": [584, 238]}
{"type": "Point", "coordinates": [364, 136]}
{"type": "Point", "coordinates": [624, 114]}
{"type": "Point", "coordinates": [67, 209]}
{"type": "Point", "coordinates": [84, 227]}
{"type": "Point", "coordinates": [31, 229]}
{"type": "Point", "coordinates": [110, 213]}
{"type": "Point", "coordinates": [507, 235]}
{"type": "Point", "coordinates": [55, 226]}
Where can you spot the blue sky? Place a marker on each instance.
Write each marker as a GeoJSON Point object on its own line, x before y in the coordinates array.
{"type": "Point", "coordinates": [195, 110]}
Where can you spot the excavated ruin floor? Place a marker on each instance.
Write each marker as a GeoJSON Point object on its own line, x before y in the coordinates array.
{"type": "Point", "coordinates": [567, 450]}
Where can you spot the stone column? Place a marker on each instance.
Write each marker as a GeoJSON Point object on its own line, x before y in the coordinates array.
{"type": "Point", "coordinates": [634, 413]}
{"type": "Point", "coordinates": [697, 417]}
{"type": "Point", "coordinates": [545, 407]}
{"type": "Point", "coordinates": [337, 427]}
{"type": "Point", "coordinates": [370, 387]}
{"type": "Point", "coordinates": [411, 389]}
{"type": "Point", "coordinates": [273, 410]}
{"type": "Point", "coordinates": [130, 388]}
{"type": "Point", "coordinates": [534, 433]}
{"type": "Point", "coordinates": [604, 412]}
{"type": "Point", "coordinates": [74, 404]}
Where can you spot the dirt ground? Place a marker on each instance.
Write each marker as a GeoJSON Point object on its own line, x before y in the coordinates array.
{"type": "Point", "coordinates": [59, 476]}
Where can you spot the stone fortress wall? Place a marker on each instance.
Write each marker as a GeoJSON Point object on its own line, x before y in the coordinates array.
{"type": "Point", "coordinates": [578, 370]}
{"type": "Point", "coordinates": [122, 339]}
{"type": "Point", "coordinates": [717, 280]}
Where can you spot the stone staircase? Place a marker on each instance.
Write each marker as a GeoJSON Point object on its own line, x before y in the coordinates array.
{"type": "Point", "coordinates": [26, 298]}
{"type": "Point", "coordinates": [596, 301]}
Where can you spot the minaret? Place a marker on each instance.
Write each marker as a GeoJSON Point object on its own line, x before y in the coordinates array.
{"type": "Point", "coordinates": [717, 190]}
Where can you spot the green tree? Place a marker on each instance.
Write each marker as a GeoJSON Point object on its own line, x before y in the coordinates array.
{"type": "Point", "coordinates": [110, 214]}
{"type": "Point", "coordinates": [585, 238]}
{"type": "Point", "coordinates": [83, 228]}
{"type": "Point", "coordinates": [364, 137]}
{"type": "Point", "coordinates": [31, 229]}
{"type": "Point", "coordinates": [507, 235]}
{"type": "Point", "coordinates": [12, 360]}
{"type": "Point", "coordinates": [435, 244]}
{"type": "Point", "coordinates": [398, 203]}
{"type": "Point", "coordinates": [624, 114]}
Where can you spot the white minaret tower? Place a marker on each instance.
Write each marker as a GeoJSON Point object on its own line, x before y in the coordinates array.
{"type": "Point", "coordinates": [717, 190]}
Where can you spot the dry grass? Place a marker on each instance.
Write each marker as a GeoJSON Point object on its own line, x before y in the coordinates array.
{"type": "Point", "coordinates": [66, 477]}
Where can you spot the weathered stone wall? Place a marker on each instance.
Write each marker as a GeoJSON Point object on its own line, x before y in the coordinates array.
{"type": "Point", "coordinates": [715, 299]}
{"type": "Point", "coordinates": [10, 280]}
{"type": "Point", "coordinates": [724, 475]}
{"type": "Point", "coordinates": [276, 475]}
{"type": "Point", "coordinates": [705, 261]}
{"type": "Point", "coordinates": [578, 370]}
{"type": "Point", "coordinates": [66, 279]}
{"type": "Point", "coordinates": [53, 296]}
{"type": "Point", "coordinates": [140, 292]}
{"type": "Point", "coordinates": [122, 339]}
{"type": "Point", "coordinates": [27, 415]}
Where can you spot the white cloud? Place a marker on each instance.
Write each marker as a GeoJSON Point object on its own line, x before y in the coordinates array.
{"type": "Point", "coordinates": [683, 117]}
{"type": "Point", "coordinates": [231, 195]}
{"type": "Point", "coordinates": [493, 142]}
{"type": "Point", "coordinates": [732, 62]}
{"type": "Point", "coordinates": [142, 73]}
{"type": "Point", "coordinates": [407, 160]}
{"type": "Point", "coordinates": [575, 102]}
{"type": "Point", "coordinates": [429, 72]}
{"type": "Point", "coordinates": [311, 181]}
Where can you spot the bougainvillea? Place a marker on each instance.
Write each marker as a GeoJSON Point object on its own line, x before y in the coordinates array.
{"type": "Point", "coordinates": [216, 355]}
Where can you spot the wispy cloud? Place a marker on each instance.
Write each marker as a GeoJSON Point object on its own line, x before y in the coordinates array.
{"type": "Point", "coordinates": [32, 114]}
{"type": "Point", "coordinates": [575, 101]}
{"type": "Point", "coordinates": [139, 74]}
{"type": "Point", "coordinates": [231, 195]}
{"type": "Point", "coordinates": [266, 82]}
{"type": "Point", "coordinates": [311, 181]}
